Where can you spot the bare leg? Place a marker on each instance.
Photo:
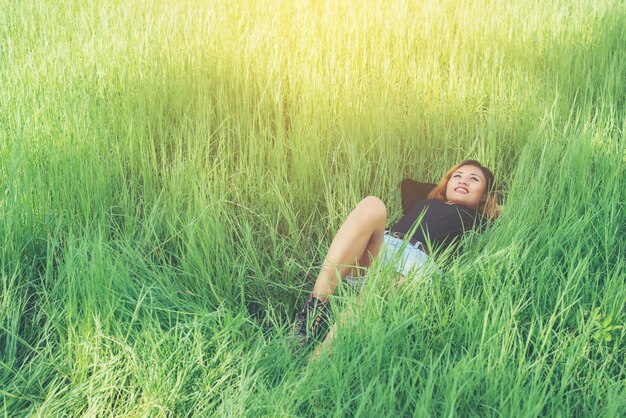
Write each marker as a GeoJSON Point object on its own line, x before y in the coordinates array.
{"type": "Point", "coordinates": [344, 317]}
{"type": "Point", "coordinates": [357, 242]}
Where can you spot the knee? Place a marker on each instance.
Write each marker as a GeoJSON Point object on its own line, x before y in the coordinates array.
{"type": "Point", "coordinates": [373, 206]}
{"type": "Point", "coordinates": [371, 210]}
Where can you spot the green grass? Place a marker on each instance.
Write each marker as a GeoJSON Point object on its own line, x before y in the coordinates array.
{"type": "Point", "coordinates": [173, 172]}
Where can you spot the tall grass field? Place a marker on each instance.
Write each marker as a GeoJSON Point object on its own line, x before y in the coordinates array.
{"type": "Point", "coordinates": [173, 172]}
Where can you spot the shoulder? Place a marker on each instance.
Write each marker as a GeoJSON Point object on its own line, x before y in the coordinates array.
{"type": "Point", "coordinates": [472, 216]}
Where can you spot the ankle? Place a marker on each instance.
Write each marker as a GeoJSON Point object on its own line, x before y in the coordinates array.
{"type": "Point", "coordinates": [317, 298]}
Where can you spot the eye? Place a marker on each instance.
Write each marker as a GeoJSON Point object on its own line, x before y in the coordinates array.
{"type": "Point", "coordinates": [475, 179]}
{"type": "Point", "coordinates": [456, 175]}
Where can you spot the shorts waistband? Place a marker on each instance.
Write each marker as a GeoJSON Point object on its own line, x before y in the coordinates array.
{"type": "Point", "coordinates": [414, 242]}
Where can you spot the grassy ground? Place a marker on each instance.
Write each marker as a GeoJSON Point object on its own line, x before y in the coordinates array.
{"type": "Point", "coordinates": [173, 172]}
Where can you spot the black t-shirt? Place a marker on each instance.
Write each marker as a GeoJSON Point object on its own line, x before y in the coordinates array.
{"type": "Point", "coordinates": [442, 224]}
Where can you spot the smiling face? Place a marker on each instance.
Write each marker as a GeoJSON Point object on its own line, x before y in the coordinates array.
{"type": "Point", "coordinates": [467, 187]}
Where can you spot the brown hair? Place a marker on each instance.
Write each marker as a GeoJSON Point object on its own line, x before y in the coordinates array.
{"type": "Point", "coordinates": [489, 208]}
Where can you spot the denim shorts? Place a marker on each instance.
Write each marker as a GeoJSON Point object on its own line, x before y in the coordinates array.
{"type": "Point", "coordinates": [407, 259]}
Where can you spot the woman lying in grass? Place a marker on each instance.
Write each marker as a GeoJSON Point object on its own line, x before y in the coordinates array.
{"type": "Point", "coordinates": [464, 199]}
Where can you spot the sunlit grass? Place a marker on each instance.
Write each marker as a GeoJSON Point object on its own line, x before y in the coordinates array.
{"type": "Point", "coordinates": [172, 173]}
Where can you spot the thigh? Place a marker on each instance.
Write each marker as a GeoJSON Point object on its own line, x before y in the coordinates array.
{"type": "Point", "coordinates": [371, 251]}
